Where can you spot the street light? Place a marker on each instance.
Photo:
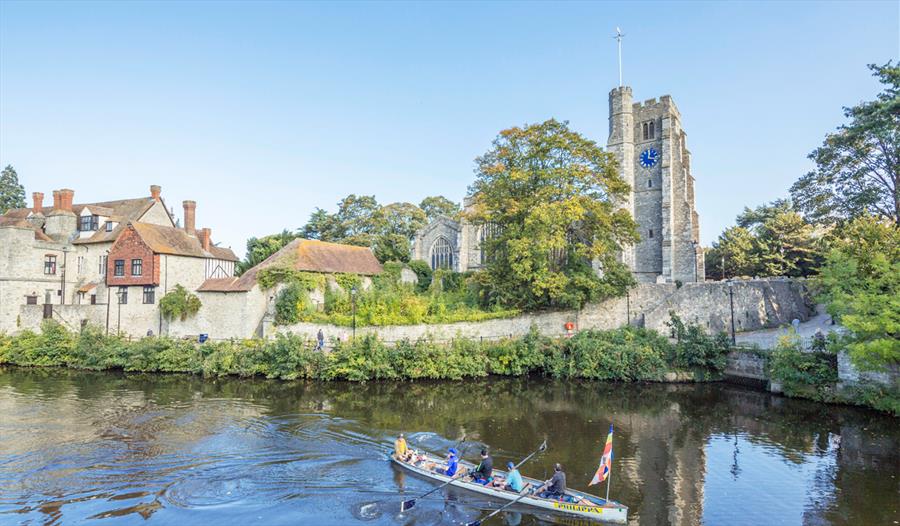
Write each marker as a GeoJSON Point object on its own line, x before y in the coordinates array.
{"type": "Point", "coordinates": [731, 301]}
{"type": "Point", "coordinates": [353, 304]}
{"type": "Point", "coordinates": [119, 294]}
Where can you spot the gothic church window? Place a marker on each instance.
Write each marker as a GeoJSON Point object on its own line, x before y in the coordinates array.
{"type": "Point", "coordinates": [648, 130]}
{"type": "Point", "coordinates": [441, 254]}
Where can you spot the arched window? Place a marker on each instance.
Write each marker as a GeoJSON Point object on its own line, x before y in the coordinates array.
{"type": "Point", "coordinates": [441, 254]}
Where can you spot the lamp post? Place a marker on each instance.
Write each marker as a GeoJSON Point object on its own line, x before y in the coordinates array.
{"type": "Point", "coordinates": [119, 316]}
{"type": "Point", "coordinates": [731, 302]}
{"type": "Point", "coordinates": [353, 307]}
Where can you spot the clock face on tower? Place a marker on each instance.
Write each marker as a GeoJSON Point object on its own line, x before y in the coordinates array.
{"type": "Point", "coordinates": [649, 158]}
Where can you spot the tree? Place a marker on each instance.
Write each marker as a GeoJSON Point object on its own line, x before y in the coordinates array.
{"type": "Point", "coordinates": [179, 303]}
{"type": "Point", "coordinates": [12, 194]}
{"type": "Point", "coordinates": [769, 240]}
{"type": "Point", "coordinates": [860, 284]}
{"type": "Point", "coordinates": [554, 198]}
{"type": "Point", "coordinates": [437, 205]}
{"type": "Point", "coordinates": [258, 249]}
{"type": "Point", "coordinates": [858, 167]}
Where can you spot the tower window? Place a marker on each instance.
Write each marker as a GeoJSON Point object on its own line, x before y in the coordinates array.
{"type": "Point", "coordinates": [651, 232]}
{"type": "Point", "coordinates": [648, 130]}
{"type": "Point", "coordinates": [649, 183]}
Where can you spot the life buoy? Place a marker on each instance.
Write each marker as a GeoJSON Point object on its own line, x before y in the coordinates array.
{"type": "Point", "coordinates": [569, 326]}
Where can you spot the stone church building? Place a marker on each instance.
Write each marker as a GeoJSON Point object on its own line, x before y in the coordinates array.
{"type": "Point", "coordinates": [650, 146]}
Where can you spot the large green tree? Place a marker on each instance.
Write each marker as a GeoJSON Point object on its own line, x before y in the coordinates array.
{"type": "Point", "coordinates": [437, 205]}
{"type": "Point", "coordinates": [860, 283]}
{"type": "Point", "coordinates": [858, 166]}
{"type": "Point", "coordinates": [12, 194]}
{"type": "Point", "coordinates": [258, 249]}
{"type": "Point", "coordinates": [552, 198]}
{"type": "Point", "coordinates": [769, 240]}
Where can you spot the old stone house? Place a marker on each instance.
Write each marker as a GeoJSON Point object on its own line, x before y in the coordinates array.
{"type": "Point", "coordinates": [650, 147]}
{"type": "Point", "coordinates": [74, 262]}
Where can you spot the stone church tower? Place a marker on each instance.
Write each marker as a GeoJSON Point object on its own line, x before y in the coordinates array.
{"type": "Point", "coordinates": [650, 146]}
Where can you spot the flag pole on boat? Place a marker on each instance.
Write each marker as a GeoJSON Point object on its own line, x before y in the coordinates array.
{"type": "Point", "coordinates": [604, 471]}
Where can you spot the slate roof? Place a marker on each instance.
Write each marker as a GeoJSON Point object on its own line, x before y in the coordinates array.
{"type": "Point", "coordinates": [177, 242]}
{"type": "Point", "coordinates": [307, 255]}
{"type": "Point", "coordinates": [14, 222]}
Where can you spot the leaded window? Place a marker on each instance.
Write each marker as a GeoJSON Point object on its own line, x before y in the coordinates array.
{"type": "Point", "coordinates": [137, 267]}
{"type": "Point", "coordinates": [441, 254]}
{"type": "Point", "coordinates": [119, 268]}
{"type": "Point", "coordinates": [49, 264]}
{"type": "Point", "coordinates": [149, 294]}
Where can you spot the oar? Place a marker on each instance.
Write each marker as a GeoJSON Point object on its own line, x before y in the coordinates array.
{"type": "Point", "coordinates": [498, 510]}
{"type": "Point", "coordinates": [508, 504]}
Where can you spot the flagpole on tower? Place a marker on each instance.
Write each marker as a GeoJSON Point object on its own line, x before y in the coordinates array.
{"type": "Point", "coordinates": [618, 37]}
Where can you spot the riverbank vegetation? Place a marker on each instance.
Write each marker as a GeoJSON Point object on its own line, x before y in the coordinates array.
{"type": "Point", "coordinates": [626, 354]}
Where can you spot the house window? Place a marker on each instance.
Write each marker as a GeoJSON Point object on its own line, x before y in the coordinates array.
{"type": "Point", "coordinates": [441, 254]}
{"type": "Point", "coordinates": [49, 264]}
{"type": "Point", "coordinates": [651, 232]}
{"type": "Point", "coordinates": [93, 299]}
{"type": "Point", "coordinates": [149, 294]}
{"type": "Point", "coordinates": [123, 295]}
{"type": "Point", "coordinates": [137, 267]}
{"type": "Point", "coordinates": [80, 264]}
{"type": "Point", "coordinates": [648, 130]}
{"type": "Point", "coordinates": [120, 268]}
{"type": "Point", "coordinates": [102, 269]}
{"type": "Point", "coordinates": [109, 226]}
{"type": "Point", "coordinates": [88, 223]}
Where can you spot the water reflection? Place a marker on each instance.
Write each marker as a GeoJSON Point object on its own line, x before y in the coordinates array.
{"type": "Point", "coordinates": [76, 446]}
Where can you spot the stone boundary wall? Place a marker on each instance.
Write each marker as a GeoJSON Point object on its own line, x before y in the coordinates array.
{"type": "Point", "coordinates": [758, 304]}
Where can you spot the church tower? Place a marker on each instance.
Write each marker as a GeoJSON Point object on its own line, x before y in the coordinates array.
{"type": "Point", "coordinates": [650, 145]}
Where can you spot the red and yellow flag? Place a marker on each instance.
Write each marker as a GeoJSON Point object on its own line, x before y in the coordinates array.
{"type": "Point", "coordinates": [605, 460]}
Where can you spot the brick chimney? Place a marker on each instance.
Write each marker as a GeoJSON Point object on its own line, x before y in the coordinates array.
{"type": "Point", "coordinates": [56, 200]}
{"type": "Point", "coordinates": [65, 199]}
{"type": "Point", "coordinates": [155, 190]}
{"type": "Point", "coordinates": [38, 199]}
{"type": "Point", "coordinates": [205, 241]}
{"type": "Point", "coordinates": [190, 216]}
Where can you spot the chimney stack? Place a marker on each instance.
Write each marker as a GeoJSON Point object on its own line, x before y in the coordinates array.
{"type": "Point", "coordinates": [205, 241]}
{"type": "Point", "coordinates": [38, 199]}
{"type": "Point", "coordinates": [155, 190]}
{"type": "Point", "coordinates": [190, 216]}
{"type": "Point", "coordinates": [56, 200]}
{"type": "Point", "coordinates": [65, 199]}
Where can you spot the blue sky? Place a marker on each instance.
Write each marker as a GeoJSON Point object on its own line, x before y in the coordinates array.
{"type": "Point", "coordinates": [261, 112]}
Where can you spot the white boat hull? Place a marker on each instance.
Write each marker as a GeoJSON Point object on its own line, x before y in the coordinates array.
{"type": "Point", "coordinates": [608, 511]}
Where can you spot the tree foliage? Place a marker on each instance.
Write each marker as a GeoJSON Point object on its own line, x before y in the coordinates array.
{"type": "Point", "coordinates": [554, 196]}
{"type": "Point", "coordinates": [858, 167]}
{"type": "Point", "coordinates": [438, 205]}
{"type": "Point", "coordinates": [770, 240]}
{"type": "Point", "coordinates": [860, 283]}
{"type": "Point", "coordinates": [258, 249]}
{"type": "Point", "coordinates": [12, 194]}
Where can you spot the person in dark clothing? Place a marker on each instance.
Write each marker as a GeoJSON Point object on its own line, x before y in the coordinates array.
{"type": "Point", "coordinates": [556, 486]}
{"type": "Point", "coordinates": [483, 473]}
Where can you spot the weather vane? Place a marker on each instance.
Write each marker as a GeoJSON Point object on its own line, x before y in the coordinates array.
{"type": "Point", "coordinates": [618, 37]}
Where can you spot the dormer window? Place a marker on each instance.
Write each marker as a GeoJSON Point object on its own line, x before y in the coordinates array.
{"type": "Point", "coordinates": [109, 226]}
{"type": "Point", "coordinates": [648, 130]}
{"type": "Point", "coordinates": [88, 223]}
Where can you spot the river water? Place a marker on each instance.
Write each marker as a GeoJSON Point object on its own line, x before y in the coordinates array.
{"type": "Point", "coordinates": [78, 447]}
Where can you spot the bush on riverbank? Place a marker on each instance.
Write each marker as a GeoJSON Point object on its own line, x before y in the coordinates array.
{"type": "Point", "coordinates": [622, 354]}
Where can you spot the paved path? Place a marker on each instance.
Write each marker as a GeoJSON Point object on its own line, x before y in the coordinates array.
{"type": "Point", "coordinates": [767, 338]}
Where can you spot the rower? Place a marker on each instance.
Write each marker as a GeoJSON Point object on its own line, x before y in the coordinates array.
{"type": "Point", "coordinates": [401, 451]}
{"type": "Point", "coordinates": [554, 488]}
{"type": "Point", "coordinates": [483, 473]}
{"type": "Point", "coordinates": [452, 462]}
{"type": "Point", "coordinates": [513, 480]}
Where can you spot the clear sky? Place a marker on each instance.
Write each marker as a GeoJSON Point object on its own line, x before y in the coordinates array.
{"type": "Point", "coordinates": [263, 111]}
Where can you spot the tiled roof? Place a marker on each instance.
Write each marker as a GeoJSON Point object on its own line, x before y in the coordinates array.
{"type": "Point", "coordinates": [308, 255]}
{"type": "Point", "coordinates": [122, 210]}
{"type": "Point", "coordinates": [14, 222]}
{"type": "Point", "coordinates": [175, 241]}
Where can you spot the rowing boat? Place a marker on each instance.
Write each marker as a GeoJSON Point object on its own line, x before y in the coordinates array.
{"type": "Point", "coordinates": [573, 503]}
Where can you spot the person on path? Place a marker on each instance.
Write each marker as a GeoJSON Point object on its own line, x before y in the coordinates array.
{"type": "Point", "coordinates": [320, 339]}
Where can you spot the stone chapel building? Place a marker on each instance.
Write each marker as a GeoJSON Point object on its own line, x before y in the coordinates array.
{"type": "Point", "coordinates": [650, 146]}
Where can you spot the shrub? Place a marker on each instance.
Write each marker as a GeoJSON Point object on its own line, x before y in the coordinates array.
{"type": "Point", "coordinates": [423, 273]}
{"type": "Point", "coordinates": [694, 349]}
{"type": "Point", "coordinates": [808, 374]}
{"type": "Point", "coordinates": [179, 303]}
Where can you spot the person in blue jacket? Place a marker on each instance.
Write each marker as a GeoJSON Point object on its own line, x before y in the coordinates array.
{"type": "Point", "coordinates": [452, 462]}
